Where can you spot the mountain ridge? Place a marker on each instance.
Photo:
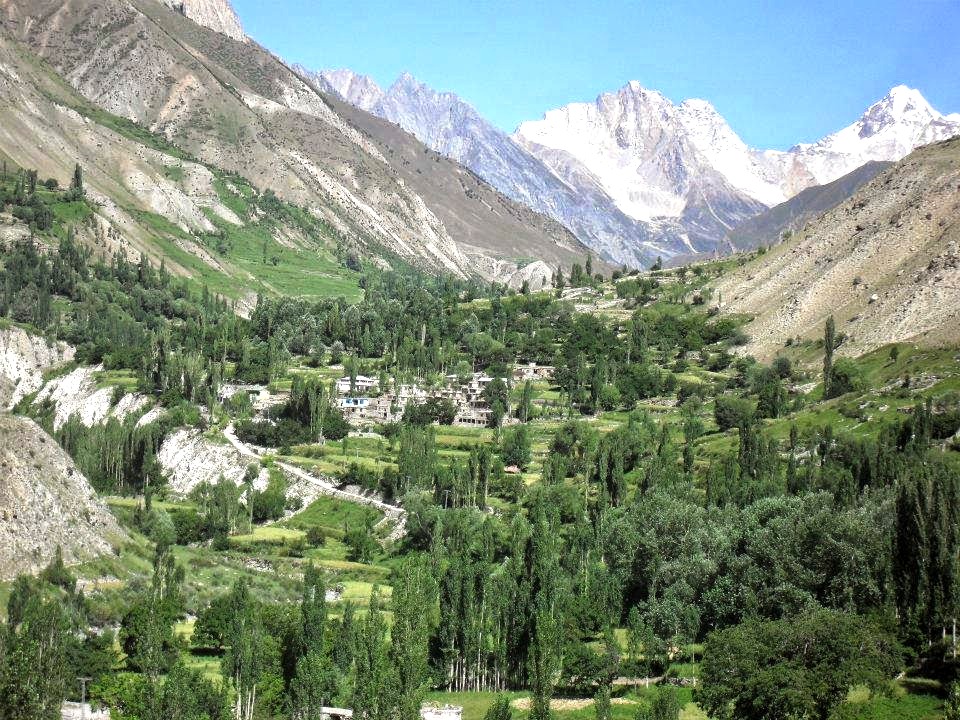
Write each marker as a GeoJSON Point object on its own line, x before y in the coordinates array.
{"type": "Point", "coordinates": [698, 183]}
{"type": "Point", "coordinates": [232, 105]}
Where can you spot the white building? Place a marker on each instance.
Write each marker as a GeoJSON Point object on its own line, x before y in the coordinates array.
{"type": "Point", "coordinates": [78, 711]}
{"type": "Point", "coordinates": [435, 711]}
{"type": "Point", "coordinates": [361, 384]}
{"type": "Point", "coordinates": [352, 405]}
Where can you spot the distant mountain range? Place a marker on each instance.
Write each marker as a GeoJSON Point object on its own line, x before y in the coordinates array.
{"type": "Point", "coordinates": [632, 174]}
{"type": "Point", "coordinates": [404, 172]}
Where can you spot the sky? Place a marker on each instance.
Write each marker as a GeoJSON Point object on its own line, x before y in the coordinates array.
{"type": "Point", "coordinates": [779, 72]}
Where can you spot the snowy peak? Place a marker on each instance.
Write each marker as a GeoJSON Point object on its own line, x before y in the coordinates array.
{"type": "Point", "coordinates": [407, 83]}
{"type": "Point", "coordinates": [889, 129]}
{"type": "Point", "coordinates": [359, 90]}
{"type": "Point", "coordinates": [901, 105]}
{"type": "Point", "coordinates": [650, 155]}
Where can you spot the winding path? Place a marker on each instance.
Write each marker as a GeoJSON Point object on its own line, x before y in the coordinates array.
{"type": "Point", "coordinates": [393, 514]}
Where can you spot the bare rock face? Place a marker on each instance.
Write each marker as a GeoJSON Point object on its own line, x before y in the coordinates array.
{"type": "Point", "coordinates": [217, 15]}
{"type": "Point", "coordinates": [45, 502]}
{"type": "Point", "coordinates": [77, 394]}
{"type": "Point", "coordinates": [537, 275]}
{"type": "Point", "coordinates": [189, 459]}
{"type": "Point", "coordinates": [23, 358]}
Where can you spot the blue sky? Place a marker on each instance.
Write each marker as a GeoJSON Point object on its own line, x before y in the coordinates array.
{"type": "Point", "coordinates": [780, 72]}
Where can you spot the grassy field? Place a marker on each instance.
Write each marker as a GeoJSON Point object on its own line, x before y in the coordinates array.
{"type": "Point", "coordinates": [333, 515]}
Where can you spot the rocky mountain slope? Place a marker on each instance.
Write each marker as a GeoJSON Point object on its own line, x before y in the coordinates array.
{"type": "Point", "coordinates": [633, 174]}
{"type": "Point", "coordinates": [45, 502]}
{"type": "Point", "coordinates": [885, 263]}
{"type": "Point", "coordinates": [768, 227]}
{"type": "Point", "coordinates": [452, 127]}
{"type": "Point", "coordinates": [232, 107]}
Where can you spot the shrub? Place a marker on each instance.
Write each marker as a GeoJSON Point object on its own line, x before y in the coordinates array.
{"type": "Point", "coordinates": [782, 366]}
{"type": "Point", "coordinates": [731, 412]}
{"type": "Point", "coordinates": [316, 536]}
{"type": "Point", "coordinates": [361, 546]}
{"type": "Point", "coordinates": [845, 377]}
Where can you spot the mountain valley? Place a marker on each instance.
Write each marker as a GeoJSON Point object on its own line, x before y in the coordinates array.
{"type": "Point", "coordinates": [323, 400]}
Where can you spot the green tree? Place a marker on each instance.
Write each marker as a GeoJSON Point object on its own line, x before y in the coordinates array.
{"type": "Point", "coordinates": [316, 684]}
{"type": "Point", "coordinates": [771, 396]}
{"type": "Point", "coordinates": [245, 661]}
{"type": "Point", "coordinates": [730, 412]}
{"type": "Point", "coordinates": [800, 667]}
{"type": "Point", "coordinates": [146, 631]}
{"type": "Point", "coordinates": [373, 688]}
{"type": "Point", "coordinates": [829, 345]}
{"type": "Point", "coordinates": [33, 659]}
{"type": "Point", "coordinates": [845, 376]}
{"type": "Point", "coordinates": [412, 600]}
{"type": "Point", "coordinates": [516, 447]}
{"type": "Point", "coordinates": [496, 395]}
{"type": "Point", "coordinates": [665, 704]}
{"type": "Point", "coordinates": [524, 409]}
{"type": "Point", "coordinates": [546, 629]}
{"type": "Point", "coordinates": [76, 183]}
{"type": "Point", "coordinates": [313, 611]}
{"type": "Point", "coordinates": [361, 545]}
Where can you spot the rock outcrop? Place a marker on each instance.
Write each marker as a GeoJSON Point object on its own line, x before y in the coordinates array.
{"type": "Point", "coordinates": [23, 360]}
{"type": "Point", "coordinates": [77, 393]}
{"type": "Point", "coordinates": [217, 15]}
{"type": "Point", "coordinates": [45, 502]}
{"type": "Point", "coordinates": [189, 459]}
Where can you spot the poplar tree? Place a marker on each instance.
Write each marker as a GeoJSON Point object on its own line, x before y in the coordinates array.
{"type": "Point", "coordinates": [546, 614]}
{"type": "Point", "coordinates": [414, 596]}
{"type": "Point", "coordinates": [76, 184]}
{"type": "Point", "coordinates": [33, 659]}
{"type": "Point", "coordinates": [244, 663]}
{"type": "Point", "coordinates": [373, 679]}
{"type": "Point", "coordinates": [829, 340]}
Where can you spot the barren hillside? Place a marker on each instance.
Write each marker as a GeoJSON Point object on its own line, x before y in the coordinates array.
{"type": "Point", "coordinates": [885, 263]}
{"type": "Point", "coordinates": [44, 502]}
{"type": "Point", "coordinates": [236, 107]}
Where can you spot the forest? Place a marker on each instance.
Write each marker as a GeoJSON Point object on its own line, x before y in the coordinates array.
{"type": "Point", "coordinates": [716, 522]}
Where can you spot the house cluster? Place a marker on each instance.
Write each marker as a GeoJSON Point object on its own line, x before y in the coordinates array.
{"type": "Point", "coordinates": [362, 400]}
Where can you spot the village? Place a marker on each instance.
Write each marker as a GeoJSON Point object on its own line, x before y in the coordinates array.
{"type": "Point", "coordinates": [428, 711]}
{"type": "Point", "coordinates": [363, 401]}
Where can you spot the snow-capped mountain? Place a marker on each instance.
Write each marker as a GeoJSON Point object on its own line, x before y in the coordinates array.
{"type": "Point", "coordinates": [633, 174]}
{"type": "Point", "coordinates": [634, 140]}
{"type": "Point", "coordinates": [889, 130]}
{"type": "Point", "coordinates": [454, 128]}
{"type": "Point", "coordinates": [647, 153]}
